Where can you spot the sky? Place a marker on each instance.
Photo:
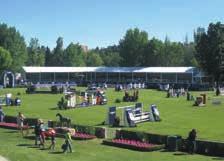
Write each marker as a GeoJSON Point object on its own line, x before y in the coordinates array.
{"type": "Point", "coordinates": [104, 22]}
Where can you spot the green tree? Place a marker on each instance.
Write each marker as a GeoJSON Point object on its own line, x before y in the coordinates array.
{"type": "Point", "coordinates": [74, 55]}
{"type": "Point", "coordinates": [132, 47]}
{"type": "Point", "coordinates": [48, 56]}
{"type": "Point", "coordinates": [111, 59]}
{"type": "Point", "coordinates": [58, 53]}
{"type": "Point", "coordinates": [173, 54]}
{"type": "Point", "coordinates": [93, 59]}
{"type": "Point", "coordinates": [5, 59]}
{"type": "Point", "coordinates": [154, 54]}
{"type": "Point", "coordinates": [36, 54]}
{"type": "Point", "coordinates": [110, 55]}
{"type": "Point", "coordinates": [11, 40]}
{"type": "Point", "coordinates": [210, 50]}
{"type": "Point", "coordinates": [189, 54]}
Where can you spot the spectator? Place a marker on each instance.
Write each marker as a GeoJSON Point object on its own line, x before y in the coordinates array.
{"type": "Point", "coordinates": [37, 131]}
{"type": "Point", "coordinates": [42, 134]}
{"type": "Point", "coordinates": [2, 115]}
{"type": "Point", "coordinates": [20, 122]}
{"type": "Point", "coordinates": [68, 142]}
{"type": "Point", "coordinates": [17, 101]}
{"type": "Point", "coordinates": [192, 141]}
{"type": "Point", "coordinates": [53, 141]}
{"type": "Point", "coordinates": [155, 112]}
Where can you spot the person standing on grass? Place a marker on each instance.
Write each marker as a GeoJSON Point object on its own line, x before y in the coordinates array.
{"type": "Point", "coordinates": [20, 122]}
{"type": "Point", "coordinates": [42, 134]}
{"type": "Point", "coordinates": [68, 142]}
{"type": "Point", "coordinates": [2, 115]}
{"type": "Point", "coordinates": [192, 141]}
{"type": "Point", "coordinates": [37, 131]}
{"type": "Point", "coordinates": [52, 134]}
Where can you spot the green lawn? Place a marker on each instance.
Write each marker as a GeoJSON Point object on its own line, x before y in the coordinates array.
{"type": "Point", "coordinates": [16, 148]}
{"type": "Point", "coordinates": [178, 115]}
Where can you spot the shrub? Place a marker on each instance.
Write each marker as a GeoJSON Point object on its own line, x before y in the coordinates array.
{"type": "Point", "coordinates": [62, 104]}
{"type": "Point", "coordinates": [118, 100]}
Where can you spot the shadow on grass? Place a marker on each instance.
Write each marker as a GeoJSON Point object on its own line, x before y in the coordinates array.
{"type": "Point", "coordinates": [44, 149]}
{"type": "Point", "coordinates": [33, 146]}
{"type": "Point", "coordinates": [218, 158]}
{"type": "Point", "coordinates": [29, 137]}
{"type": "Point", "coordinates": [180, 154]}
{"type": "Point", "coordinates": [176, 153]}
{"type": "Point", "coordinates": [54, 108]}
{"type": "Point", "coordinates": [111, 127]}
{"type": "Point", "coordinates": [12, 131]}
{"type": "Point", "coordinates": [56, 152]}
{"type": "Point", "coordinates": [24, 145]}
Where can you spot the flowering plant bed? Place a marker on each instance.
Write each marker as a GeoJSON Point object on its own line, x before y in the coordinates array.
{"type": "Point", "coordinates": [82, 136]}
{"type": "Point", "coordinates": [75, 135]}
{"type": "Point", "coordinates": [133, 144]}
{"type": "Point", "coordinates": [11, 125]}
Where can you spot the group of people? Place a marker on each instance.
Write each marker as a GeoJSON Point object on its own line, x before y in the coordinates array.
{"type": "Point", "coordinates": [130, 98]}
{"type": "Point", "coordinates": [41, 133]}
{"type": "Point", "coordinates": [119, 87]}
{"type": "Point", "coordinates": [175, 92]}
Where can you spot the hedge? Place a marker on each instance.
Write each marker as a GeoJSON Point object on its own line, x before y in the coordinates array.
{"type": "Point", "coordinates": [13, 119]}
{"type": "Point", "coordinates": [211, 148]}
{"type": "Point", "coordinates": [97, 131]}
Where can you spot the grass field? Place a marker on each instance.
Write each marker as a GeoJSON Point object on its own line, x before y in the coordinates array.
{"type": "Point", "coordinates": [178, 115]}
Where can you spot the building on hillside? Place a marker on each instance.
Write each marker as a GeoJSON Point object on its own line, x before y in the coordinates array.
{"type": "Point", "coordinates": [82, 75]}
{"type": "Point", "coordinates": [84, 48]}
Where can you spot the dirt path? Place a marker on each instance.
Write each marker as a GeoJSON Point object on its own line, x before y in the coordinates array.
{"type": "Point", "coordinates": [3, 159]}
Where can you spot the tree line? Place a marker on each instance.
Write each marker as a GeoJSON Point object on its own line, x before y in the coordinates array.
{"type": "Point", "coordinates": [134, 49]}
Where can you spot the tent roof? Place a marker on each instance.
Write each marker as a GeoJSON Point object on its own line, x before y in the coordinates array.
{"type": "Point", "coordinates": [108, 69]}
